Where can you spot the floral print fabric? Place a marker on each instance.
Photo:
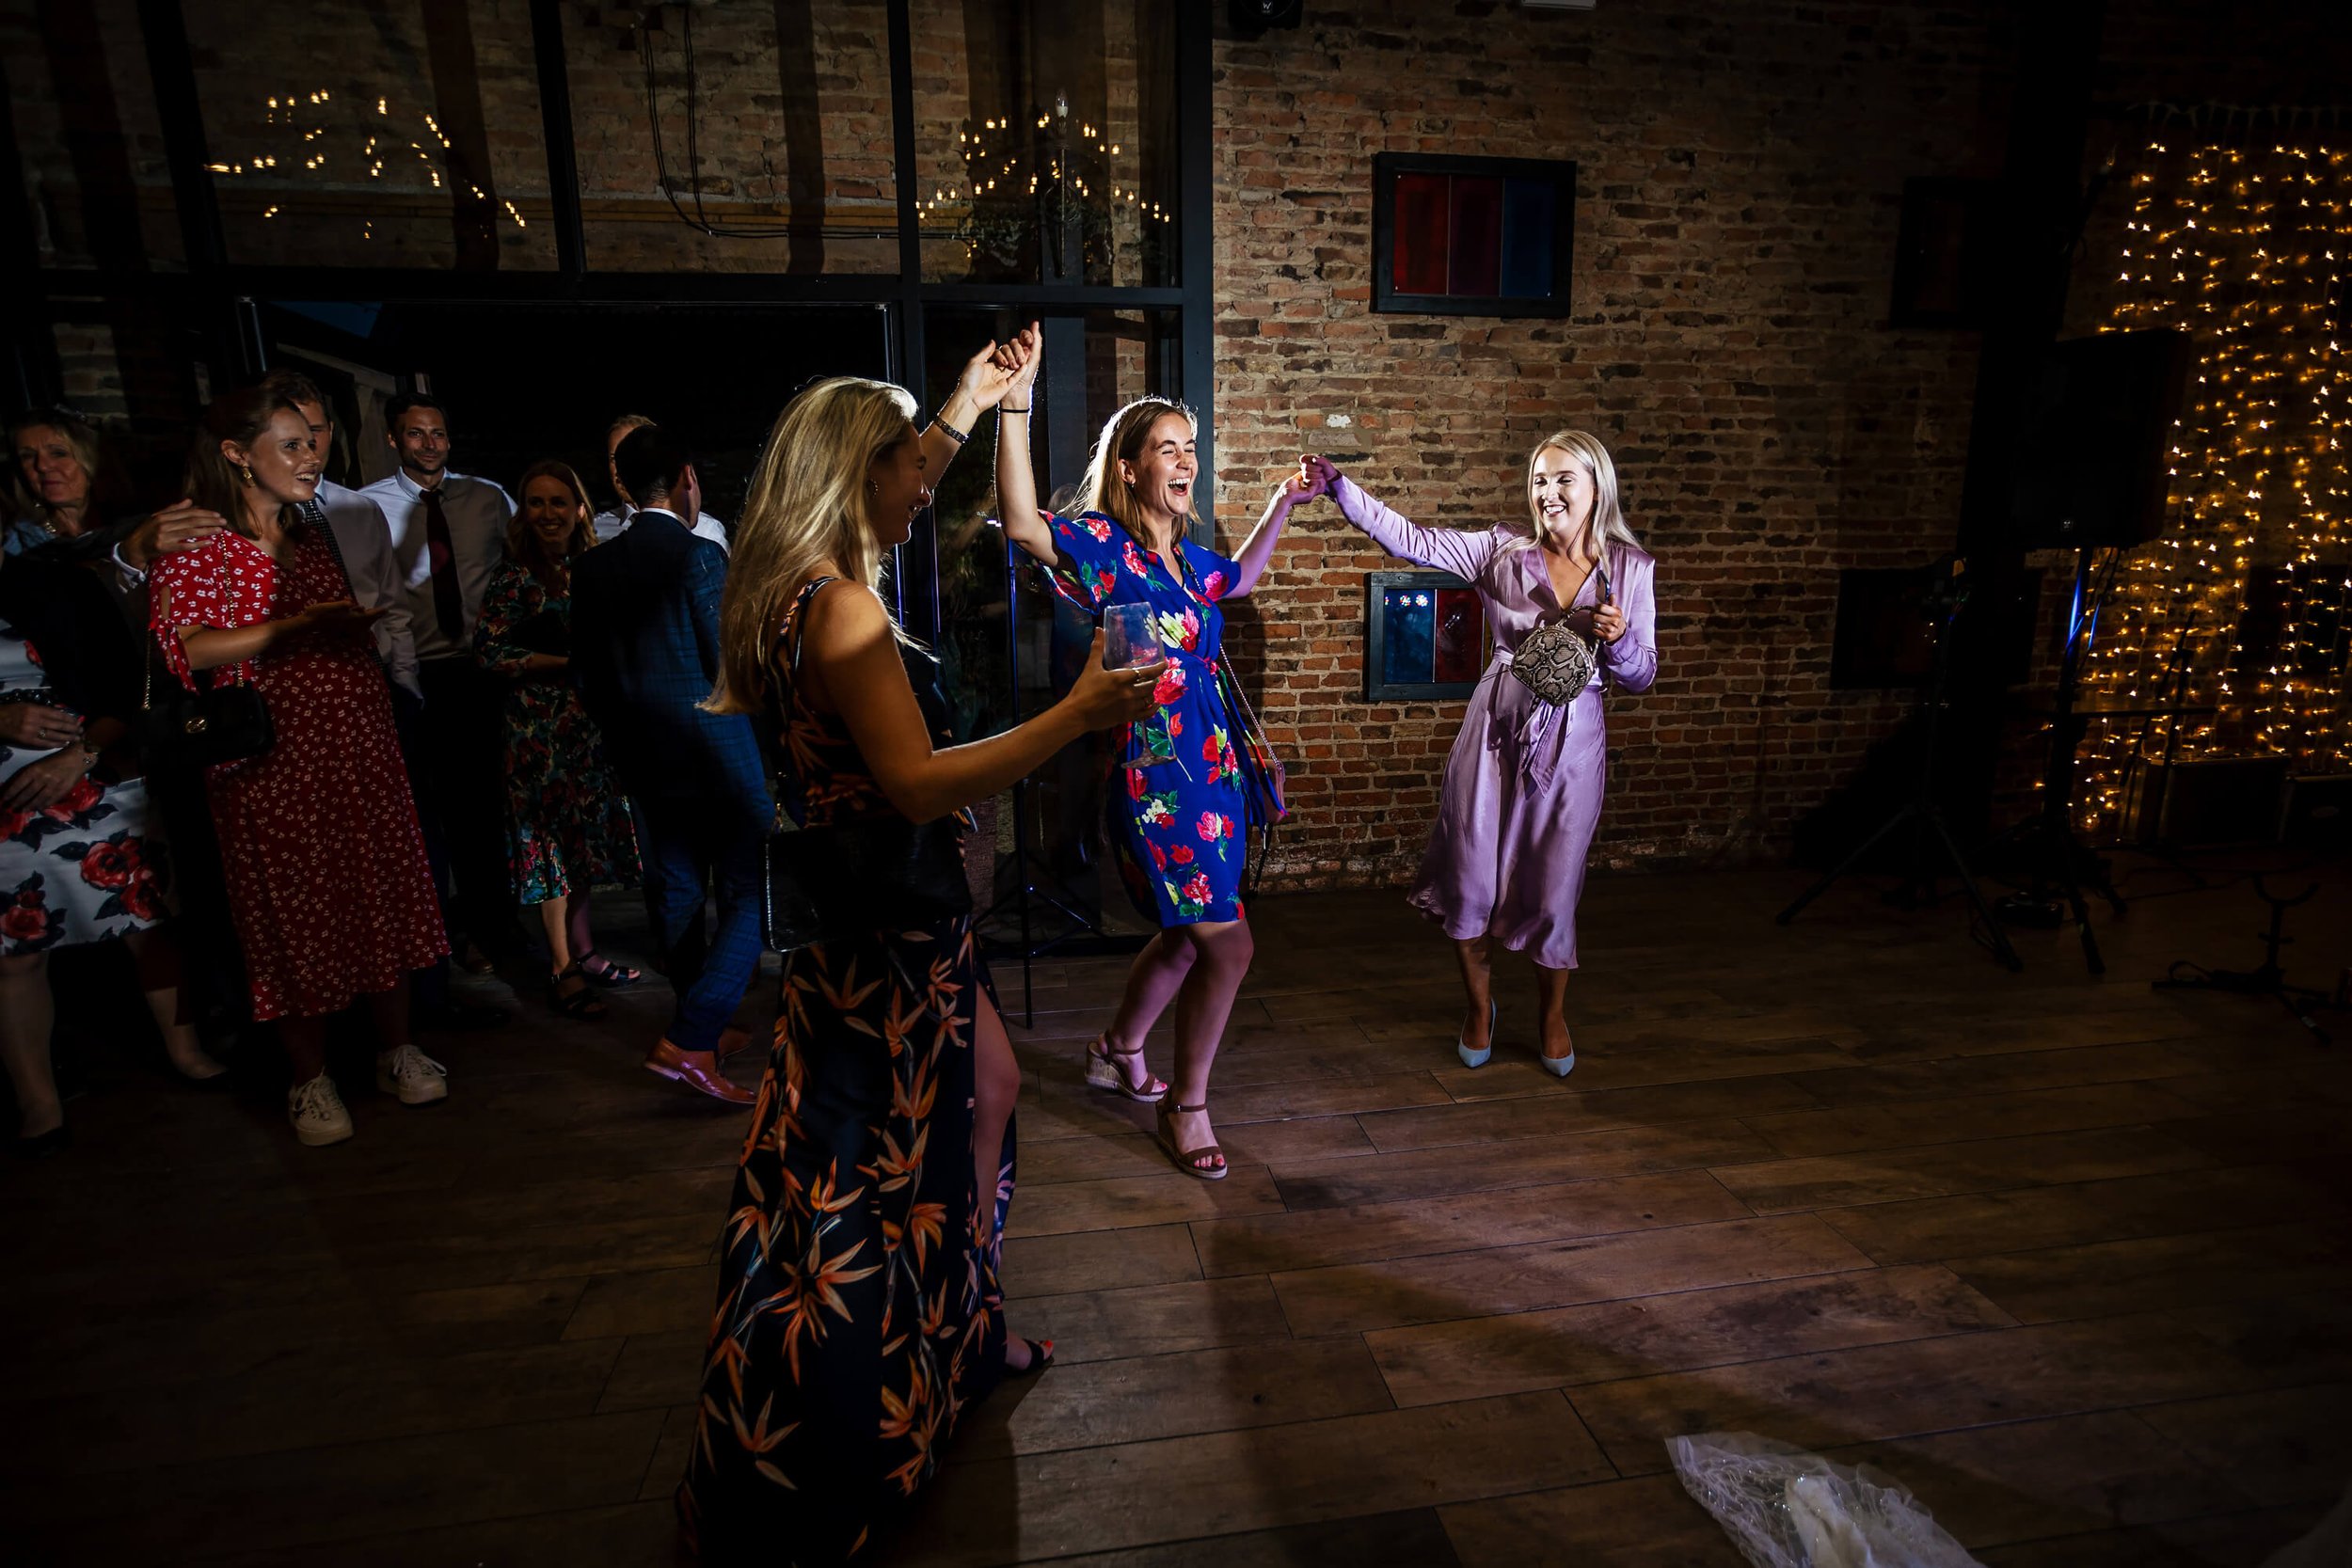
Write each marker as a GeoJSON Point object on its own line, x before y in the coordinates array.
{"type": "Point", "coordinates": [568, 827]}
{"type": "Point", "coordinates": [324, 865]}
{"type": "Point", "coordinates": [81, 869]}
{"type": "Point", "coordinates": [859, 1312]}
{"type": "Point", "coordinates": [1179, 825]}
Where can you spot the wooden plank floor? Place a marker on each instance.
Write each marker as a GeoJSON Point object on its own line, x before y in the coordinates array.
{"type": "Point", "coordinates": [2070, 1258]}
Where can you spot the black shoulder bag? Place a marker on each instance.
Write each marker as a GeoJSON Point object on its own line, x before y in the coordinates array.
{"type": "Point", "coordinates": [854, 879]}
{"type": "Point", "coordinates": [190, 731]}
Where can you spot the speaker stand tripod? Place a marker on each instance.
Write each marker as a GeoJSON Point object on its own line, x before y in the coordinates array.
{"type": "Point", "coordinates": [1039, 890]}
{"type": "Point", "coordinates": [2268, 980]}
{"type": "Point", "coordinates": [1922, 810]}
{"type": "Point", "coordinates": [2062, 862]}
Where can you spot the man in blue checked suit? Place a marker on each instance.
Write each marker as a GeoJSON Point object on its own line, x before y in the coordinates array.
{"type": "Point", "coordinates": [646, 652]}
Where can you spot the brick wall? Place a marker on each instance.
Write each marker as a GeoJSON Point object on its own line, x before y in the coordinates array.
{"type": "Point", "coordinates": [1740, 177]}
{"type": "Point", "coordinates": [1739, 180]}
{"type": "Point", "coordinates": [1741, 171]}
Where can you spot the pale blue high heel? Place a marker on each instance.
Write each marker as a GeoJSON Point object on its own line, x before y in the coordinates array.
{"type": "Point", "coordinates": [1478, 1058]}
{"type": "Point", "coordinates": [1559, 1067]}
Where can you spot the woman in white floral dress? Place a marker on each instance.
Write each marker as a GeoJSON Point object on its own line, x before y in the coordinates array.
{"type": "Point", "coordinates": [76, 862]}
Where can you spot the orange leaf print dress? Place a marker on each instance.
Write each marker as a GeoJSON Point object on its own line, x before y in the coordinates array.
{"type": "Point", "coordinates": [859, 1310]}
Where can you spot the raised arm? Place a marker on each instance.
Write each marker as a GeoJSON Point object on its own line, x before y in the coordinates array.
{"type": "Point", "coordinates": [853, 657]}
{"type": "Point", "coordinates": [1016, 488]}
{"type": "Point", "coordinates": [1442, 548]}
{"type": "Point", "coordinates": [981, 386]}
{"type": "Point", "coordinates": [1258, 548]}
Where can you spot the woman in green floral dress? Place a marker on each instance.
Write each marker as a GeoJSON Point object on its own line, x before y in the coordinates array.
{"type": "Point", "coordinates": [569, 826]}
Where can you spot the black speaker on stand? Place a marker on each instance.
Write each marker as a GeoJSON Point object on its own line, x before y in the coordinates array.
{"type": "Point", "coordinates": [2091, 476]}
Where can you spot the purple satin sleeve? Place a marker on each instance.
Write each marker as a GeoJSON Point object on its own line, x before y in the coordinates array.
{"type": "Point", "coordinates": [1631, 660]}
{"type": "Point", "coordinates": [1443, 550]}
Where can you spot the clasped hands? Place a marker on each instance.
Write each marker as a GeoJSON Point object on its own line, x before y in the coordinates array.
{"type": "Point", "coordinates": [1317, 476]}
{"type": "Point", "coordinates": [45, 781]}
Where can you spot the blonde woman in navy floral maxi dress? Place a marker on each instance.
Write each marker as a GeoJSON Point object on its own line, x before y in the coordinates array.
{"type": "Point", "coordinates": [858, 1313]}
{"type": "Point", "coordinates": [1179, 812]}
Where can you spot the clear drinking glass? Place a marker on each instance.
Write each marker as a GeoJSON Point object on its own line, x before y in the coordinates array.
{"type": "Point", "coordinates": [1131, 640]}
{"type": "Point", "coordinates": [1131, 637]}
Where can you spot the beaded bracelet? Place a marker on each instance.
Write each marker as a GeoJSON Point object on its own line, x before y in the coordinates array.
{"type": "Point", "coordinates": [939, 422]}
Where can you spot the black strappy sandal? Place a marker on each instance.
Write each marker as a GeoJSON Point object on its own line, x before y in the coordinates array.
{"type": "Point", "coordinates": [610, 974]}
{"type": "Point", "coordinates": [1040, 1357]}
{"type": "Point", "coordinates": [583, 1004]}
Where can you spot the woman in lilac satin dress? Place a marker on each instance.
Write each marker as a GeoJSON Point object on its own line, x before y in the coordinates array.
{"type": "Point", "coordinates": [1505, 862]}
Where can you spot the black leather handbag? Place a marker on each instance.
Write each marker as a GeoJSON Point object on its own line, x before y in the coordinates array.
{"type": "Point", "coordinates": [190, 731]}
{"type": "Point", "coordinates": [854, 879]}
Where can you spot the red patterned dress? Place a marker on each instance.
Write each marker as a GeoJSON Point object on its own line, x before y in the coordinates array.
{"type": "Point", "coordinates": [326, 867]}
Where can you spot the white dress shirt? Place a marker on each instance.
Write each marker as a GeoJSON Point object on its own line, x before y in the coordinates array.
{"type": "Point", "coordinates": [611, 525]}
{"type": "Point", "coordinates": [366, 542]}
{"type": "Point", "coordinates": [477, 511]}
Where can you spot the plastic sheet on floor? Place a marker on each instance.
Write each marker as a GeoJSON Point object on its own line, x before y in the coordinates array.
{"type": "Point", "coordinates": [2328, 1546]}
{"type": "Point", "coordinates": [1784, 1507]}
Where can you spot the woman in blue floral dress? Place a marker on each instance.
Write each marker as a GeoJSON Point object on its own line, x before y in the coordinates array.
{"type": "Point", "coordinates": [567, 824]}
{"type": "Point", "coordinates": [1188, 785]}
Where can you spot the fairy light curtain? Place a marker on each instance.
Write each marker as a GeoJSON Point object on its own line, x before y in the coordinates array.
{"type": "Point", "coordinates": [2241, 606]}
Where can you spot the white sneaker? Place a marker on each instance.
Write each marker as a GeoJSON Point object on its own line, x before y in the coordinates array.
{"type": "Point", "coordinates": [317, 1112]}
{"type": "Point", "coordinates": [408, 1072]}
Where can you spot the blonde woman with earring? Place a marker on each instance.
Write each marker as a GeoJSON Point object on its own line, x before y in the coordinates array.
{"type": "Point", "coordinates": [859, 1311]}
{"type": "Point", "coordinates": [1523, 787]}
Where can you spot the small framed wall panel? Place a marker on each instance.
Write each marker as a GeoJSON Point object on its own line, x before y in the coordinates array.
{"type": "Point", "coordinates": [1424, 636]}
{"type": "Point", "coordinates": [1471, 236]}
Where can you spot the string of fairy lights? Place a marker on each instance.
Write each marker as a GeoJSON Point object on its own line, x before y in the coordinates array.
{"type": "Point", "coordinates": [2244, 607]}
{"type": "Point", "coordinates": [380, 146]}
{"type": "Point", "coordinates": [1063, 169]}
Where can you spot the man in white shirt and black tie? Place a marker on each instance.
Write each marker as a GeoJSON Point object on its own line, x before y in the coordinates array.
{"type": "Point", "coordinates": [448, 531]}
{"type": "Point", "coordinates": [611, 524]}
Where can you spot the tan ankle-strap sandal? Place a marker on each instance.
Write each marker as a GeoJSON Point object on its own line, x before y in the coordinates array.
{"type": "Point", "coordinates": [1104, 1072]}
{"type": "Point", "coordinates": [1186, 1159]}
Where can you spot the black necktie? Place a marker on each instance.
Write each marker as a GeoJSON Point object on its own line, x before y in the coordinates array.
{"type": "Point", "coordinates": [449, 605]}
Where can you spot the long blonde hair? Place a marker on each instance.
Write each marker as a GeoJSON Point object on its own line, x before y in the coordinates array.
{"type": "Point", "coordinates": [1122, 439]}
{"type": "Point", "coordinates": [806, 505]}
{"type": "Point", "coordinates": [1606, 524]}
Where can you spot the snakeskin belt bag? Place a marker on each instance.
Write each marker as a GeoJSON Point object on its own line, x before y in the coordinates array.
{"type": "Point", "coordinates": [1554, 662]}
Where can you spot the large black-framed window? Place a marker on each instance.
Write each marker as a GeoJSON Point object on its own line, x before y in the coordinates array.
{"type": "Point", "coordinates": [1143, 262]}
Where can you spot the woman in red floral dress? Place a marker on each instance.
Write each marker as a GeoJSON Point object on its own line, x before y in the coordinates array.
{"type": "Point", "coordinates": [327, 871]}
